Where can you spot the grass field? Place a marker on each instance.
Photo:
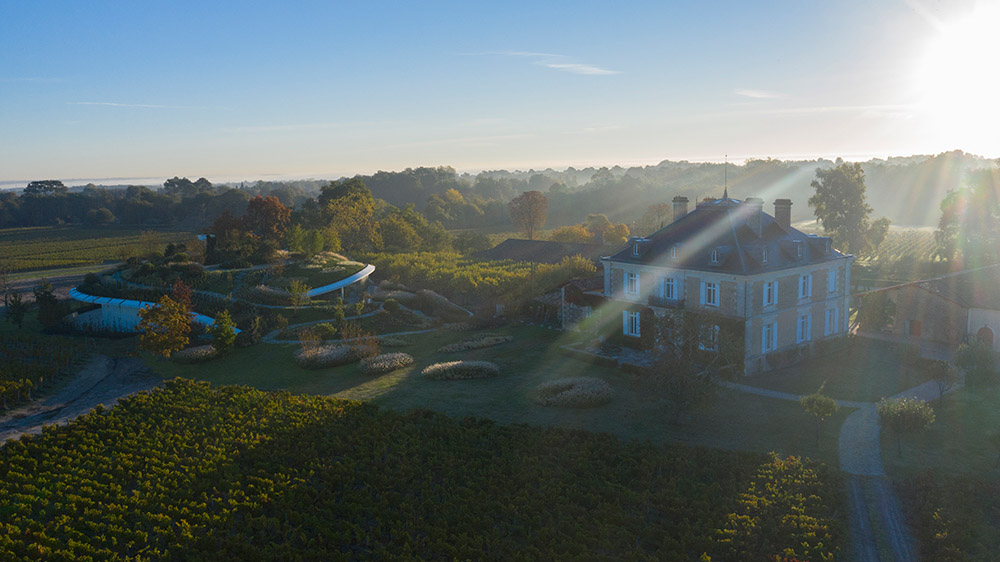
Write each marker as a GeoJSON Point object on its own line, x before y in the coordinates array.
{"type": "Point", "coordinates": [733, 420]}
{"type": "Point", "coordinates": [66, 246]}
{"type": "Point", "coordinates": [956, 444]}
{"type": "Point", "coordinates": [867, 371]}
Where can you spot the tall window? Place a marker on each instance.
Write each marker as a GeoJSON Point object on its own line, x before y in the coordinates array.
{"type": "Point", "coordinates": [635, 249]}
{"type": "Point", "coordinates": [768, 337]}
{"type": "Point", "coordinates": [630, 324]}
{"type": "Point", "coordinates": [632, 283]}
{"type": "Point", "coordinates": [711, 294]}
{"type": "Point", "coordinates": [763, 255]}
{"type": "Point", "coordinates": [770, 293]}
{"type": "Point", "coordinates": [798, 249]}
{"type": "Point", "coordinates": [805, 325]}
{"type": "Point", "coordinates": [831, 280]}
{"type": "Point", "coordinates": [805, 286]}
{"type": "Point", "coordinates": [832, 317]}
{"type": "Point", "coordinates": [669, 288]}
{"type": "Point", "coordinates": [673, 252]}
{"type": "Point", "coordinates": [715, 256]}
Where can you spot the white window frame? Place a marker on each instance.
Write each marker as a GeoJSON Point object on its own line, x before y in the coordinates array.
{"type": "Point", "coordinates": [670, 288]}
{"type": "Point", "coordinates": [708, 339]}
{"type": "Point", "coordinates": [710, 293]}
{"type": "Point", "coordinates": [715, 256]}
{"type": "Point", "coordinates": [631, 324]}
{"type": "Point", "coordinates": [673, 252]}
{"type": "Point", "coordinates": [831, 280]}
{"type": "Point", "coordinates": [635, 248]}
{"type": "Point", "coordinates": [631, 283]}
{"type": "Point", "coordinates": [798, 248]}
{"type": "Point", "coordinates": [803, 328]}
{"type": "Point", "coordinates": [805, 286]}
{"type": "Point", "coordinates": [763, 255]}
{"type": "Point", "coordinates": [832, 321]}
{"type": "Point", "coordinates": [770, 289]}
{"type": "Point", "coordinates": [769, 337]}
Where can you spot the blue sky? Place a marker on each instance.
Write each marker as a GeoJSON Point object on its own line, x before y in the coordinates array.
{"type": "Point", "coordinates": [247, 90]}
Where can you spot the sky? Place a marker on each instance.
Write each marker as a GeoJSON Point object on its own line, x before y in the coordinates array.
{"type": "Point", "coordinates": [265, 90]}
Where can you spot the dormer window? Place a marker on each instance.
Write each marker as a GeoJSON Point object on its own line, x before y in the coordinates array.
{"type": "Point", "coordinates": [635, 248]}
{"type": "Point", "coordinates": [798, 249]}
{"type": "Point", "coordinates": [715, 256]}
{"type": "Point", "coordinates": [673, 252]}
{"type": "Point", "coordinates": [763, 255]}
{"type": "Point", "coordinates": [828, 247]}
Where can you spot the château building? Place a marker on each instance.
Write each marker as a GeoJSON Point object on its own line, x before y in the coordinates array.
{"type": "Point", "coordinates": [782, 289]}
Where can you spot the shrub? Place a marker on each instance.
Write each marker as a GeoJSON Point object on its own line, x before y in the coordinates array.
{"type": "Point", "coordinates": [319, 357]}
{"type": "Point", "coordinates": [325, 331]}
{"type": "Point", "coordinates": [460, 370]}
{"type": "Point", "coordinates": [392, 306]}
{"type": "Point", "coordinates": [197, 354]}
{"type": "Point", "coordinates": [575, 392]}
{"type": "Point", "coordinates": [476, 342]}
{"type": "Point", "coordinates": [433, 303]}
{"type": "Point", "coordinates": [385, 363]}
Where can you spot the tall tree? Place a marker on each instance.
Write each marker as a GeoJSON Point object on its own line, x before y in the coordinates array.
{"type": "Point", "coordinates": [164, 327]}
{"type": "Point", "coordinates": [969, 227]}
{"type": "Point", "coordinates": [841, 206]}
{"type": "Point", "coordinates": [223, 332]}
{"type": "Point", "coordinates": [528, 211]}
{"type": "Point", "coordinates": [16, 309]}
{"type": "Point", "coordinates": [267, 217]}
{"type": "Point", "coordinates": [45, 187]}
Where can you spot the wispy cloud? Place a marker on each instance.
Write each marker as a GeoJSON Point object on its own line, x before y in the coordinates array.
{"type": "Point", "coordinates": [759, 94]}
{"type": "Point", "coordinates": [562, 63]}
{"type": "Point", "coordinates": [140, 105]}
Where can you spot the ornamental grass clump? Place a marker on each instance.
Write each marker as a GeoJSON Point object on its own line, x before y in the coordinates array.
{"type": "Point", "coordinates": [389, 341]}
{"type": "Point", "coordinates": [461, 370]}
{"type": "Point", "coordinates": [476, 342]}
{"type": "Point", "coordinates": [385, 363]}
{"type": "Point", "coordinates": [575, 392]}
{"type": "Point", "coordinates": [319, 357]}
{"type": "Point", "coordinates": [197, 354]}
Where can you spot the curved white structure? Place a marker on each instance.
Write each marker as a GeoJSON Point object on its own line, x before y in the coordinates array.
{"type": "Point", "coordinates": [122, 315]}
{"type": "Point", "coordinates": [363, 274]}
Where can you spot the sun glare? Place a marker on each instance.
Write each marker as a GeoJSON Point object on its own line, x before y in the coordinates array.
{"type": "Point", "coordinates": [958, 84]}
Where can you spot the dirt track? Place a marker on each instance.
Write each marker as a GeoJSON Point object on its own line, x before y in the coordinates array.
{"type": "Point", "coordinates": [103, 380]}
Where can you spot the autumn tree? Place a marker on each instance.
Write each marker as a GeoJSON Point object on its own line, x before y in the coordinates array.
{"type": "Point", "coordinates": [904, 416]}
{"type": "Point", "coordinates": [820, 407]}
{"type": "Point", "coordinates": [841, 205]}
{"type": "Point", "coordinates": [164, 327]}
{"type": "Point", "coordinates": [181, 292]}
{"type": "Point", "coordinates": [572, 234]}
{"type": "Point", "coordinates": [348, 208]}
{"type": "Point", "coordinates": [267, 218]}
{"type": "Point", "coordinates": [528, 211]}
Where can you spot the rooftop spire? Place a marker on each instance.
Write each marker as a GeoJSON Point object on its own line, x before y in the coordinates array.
{"type": "Point", "coordinates": [725, 191]}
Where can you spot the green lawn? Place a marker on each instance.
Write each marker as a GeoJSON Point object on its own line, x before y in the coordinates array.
{"type": "Point", "coordinates": [956, 444]}
{"type": "Point", "coordinates": [866, 371]}
{"type": "Point", "coordinates": [732, 421]}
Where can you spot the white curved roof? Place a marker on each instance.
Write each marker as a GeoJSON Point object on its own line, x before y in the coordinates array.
{"type": "Point", "coordinates": [76, 294]}
{"type": "Point", "coordinates": [368, 269]}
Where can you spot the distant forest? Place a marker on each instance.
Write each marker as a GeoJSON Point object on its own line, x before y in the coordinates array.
{"type": "Point", "coordinates": [907, 190]}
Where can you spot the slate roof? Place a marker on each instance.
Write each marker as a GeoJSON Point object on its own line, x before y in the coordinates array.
{"type": "Point", "coordinates": [540, 251]}
{"type": "Point", "coordinates": [972, 288]}
{"type": "Point", "coordinates": [722, 225]}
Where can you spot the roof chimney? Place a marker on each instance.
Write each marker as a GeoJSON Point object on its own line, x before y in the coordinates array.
{"type": "Point", "coordinates": [680, 207]}
{"type": "Point", "coordinates": [783, 213]}
{"type": "Point", "coordinates": [754, 208]}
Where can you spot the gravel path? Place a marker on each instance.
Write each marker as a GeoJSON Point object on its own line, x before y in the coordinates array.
{"type": "Point", "coordinates": [874, 508]}
{"type": "Point", "coordinates": [103, 380]}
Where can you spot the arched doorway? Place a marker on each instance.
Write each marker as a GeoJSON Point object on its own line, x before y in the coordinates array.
{"type": "Point", "coordinates": [985, 335]}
